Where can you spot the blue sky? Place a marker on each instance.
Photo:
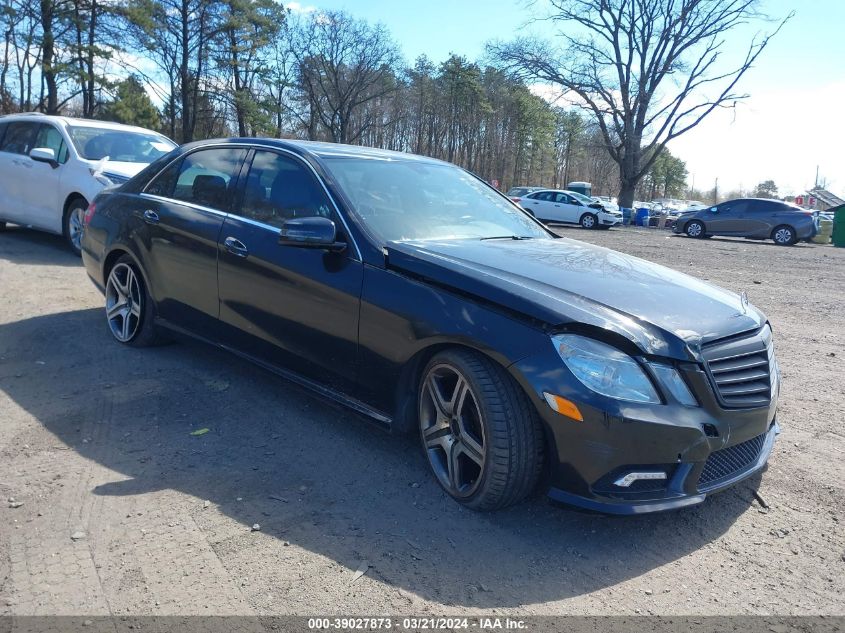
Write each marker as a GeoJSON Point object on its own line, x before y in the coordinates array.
{"type": "Point", "coordinates": [792, 122]}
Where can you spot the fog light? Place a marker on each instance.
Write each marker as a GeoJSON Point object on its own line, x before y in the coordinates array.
{"type": "Point", "coordinates": [627, 480]}
{"type": "Point", "coordinates": [563, 406]}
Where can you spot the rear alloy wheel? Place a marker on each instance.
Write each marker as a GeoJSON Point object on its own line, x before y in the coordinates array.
{"type": "Point", "coordinates": [589, 221]}
{"type": "Point", "coordinates": [694, 229]}
{"type": "Point", "coordinates": [784, 236]}
{"type": "Point", "coordinates": [73, 224]}
{"type": "Point", "coordinates": [129, 309]}
{"type": "Point", "coordinates": [478, 430]}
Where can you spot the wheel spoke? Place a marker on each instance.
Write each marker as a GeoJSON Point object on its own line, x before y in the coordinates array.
{"type": "Point", "coordinates": [454, 465]}
{"type": "Point", "coordinates": [458, 396]}
{"type": "Point", "coordinates": [135, 310]}
{"type": "Point", "coordinates": [117, 309]}
{"type": "Point", "coordinates": [126, 329]}
{"type": "Point", "coordinates": [472, 449]}
{"type": "Point", "coordinates": [435, 436]}
{"type": "Point", "coordinates": [437, 397]}
{"type": "Point", "coordinates": [121, 287]}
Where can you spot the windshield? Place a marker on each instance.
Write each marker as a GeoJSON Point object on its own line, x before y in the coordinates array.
{"type": "Point", "coordinates": [581, 198]}
{"type": "Point", "coordinates": [410, 200]}
{"type": "Point", "coordinates": [122, 146]}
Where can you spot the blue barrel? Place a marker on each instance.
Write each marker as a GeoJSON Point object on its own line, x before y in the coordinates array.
{"type": "Point", "coordinates": [642, 216]}
{"type": "Point", "coordinates": [626, 215]}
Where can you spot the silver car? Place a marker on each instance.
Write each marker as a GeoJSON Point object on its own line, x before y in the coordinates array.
{"type": "Point", "coordinates": [752, 218]}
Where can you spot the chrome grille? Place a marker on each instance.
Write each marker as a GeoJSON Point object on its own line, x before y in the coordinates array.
{"type": "Point", "coordinates": [727, 462]}
{"type": "Point", "coordinates": [741, 369]}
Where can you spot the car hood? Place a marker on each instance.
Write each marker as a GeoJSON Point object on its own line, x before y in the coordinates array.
{"type": "Point", "coordinates": [563, 281]}
{"type": "Point", "coordinates": [127, 170]}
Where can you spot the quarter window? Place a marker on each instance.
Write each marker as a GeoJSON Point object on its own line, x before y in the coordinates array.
{"type": "Point", "coordinates": [278, 188]}
{"type": "Point", "coordinates": [205, 177]}
{"type": "Point", "coordinates": [19, 137]}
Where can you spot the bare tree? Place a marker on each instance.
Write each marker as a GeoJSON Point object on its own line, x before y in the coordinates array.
{"type": "Point", "coordinates": [647, 70]}
{"type": "Point", "coordinates": [342, 63]}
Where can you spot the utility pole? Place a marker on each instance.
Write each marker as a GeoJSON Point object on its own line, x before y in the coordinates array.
{"type": "Point", "coordinates": [716, 192]}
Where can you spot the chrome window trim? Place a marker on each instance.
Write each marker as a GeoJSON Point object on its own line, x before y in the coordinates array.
{"type": "Point", "coordinates": [184, 203]}
{"type": "Point", "coordinates": [249, 146]}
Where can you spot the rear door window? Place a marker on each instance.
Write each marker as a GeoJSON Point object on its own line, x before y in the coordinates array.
{"type": "Point", "coordinates": [205, 177]}
{"type": "Point", "coordinates": [19, 137]}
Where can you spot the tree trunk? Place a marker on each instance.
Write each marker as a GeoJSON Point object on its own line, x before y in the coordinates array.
{"type": "Point", "coordinates": [48, 72]}
{"type": "Point", "coordinates": [626, 193]}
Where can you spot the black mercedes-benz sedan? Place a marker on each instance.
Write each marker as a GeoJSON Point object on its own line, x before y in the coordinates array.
{"type": "Point", "coordinates": [411, 291]}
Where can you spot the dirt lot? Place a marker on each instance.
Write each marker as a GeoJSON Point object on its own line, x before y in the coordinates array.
{"type": "Point", "coordinates": [123, 511]}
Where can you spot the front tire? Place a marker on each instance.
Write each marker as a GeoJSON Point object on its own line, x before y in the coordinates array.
{"type": "Point", "coordinates": [480, 433]}
{"type": "Point", "coordinates": [72, 224]}
{"type": "Point", "coordinates": [694, 229]}
{"type": "Point", "coordinates": [589, 221]}
{"type": "Point", "coordinates": [784, 235]}
{"type": "Point", "coordinates": [130, 312]}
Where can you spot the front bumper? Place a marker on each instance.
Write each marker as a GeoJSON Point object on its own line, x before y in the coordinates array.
{"type": "Point", "coordinates": [675, 496]}
{"type": "Point", "coordinates": [700, 449]}
{"type": "Point", "coordinates": [607, 219]}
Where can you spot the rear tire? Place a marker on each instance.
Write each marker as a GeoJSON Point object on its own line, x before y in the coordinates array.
{"type": "Point", "coordinates": [130, 312]}
{"type": "Point", "coordinates": [589, 221]}
{"type": "Point", "coordinates": [694, 229]}
{"type": "Point", "coordinates": [72, 224]}
{"type": "Point", "coordinates": [784, 235]}
{"type": "Point", "coordinates": [480, 433]}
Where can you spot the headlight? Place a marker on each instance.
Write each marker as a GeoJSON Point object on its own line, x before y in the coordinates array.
{"type": "Point", "coordinates": [605, 369]}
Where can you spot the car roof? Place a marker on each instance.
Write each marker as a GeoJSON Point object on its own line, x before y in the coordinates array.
{"type": "Point", "coordinates": [67, 120]}
{"type": "Point", "coordinates": [320, 149]}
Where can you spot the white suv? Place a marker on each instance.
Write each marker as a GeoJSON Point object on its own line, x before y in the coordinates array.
{"type": "Point", "coordinates": [51, 167]}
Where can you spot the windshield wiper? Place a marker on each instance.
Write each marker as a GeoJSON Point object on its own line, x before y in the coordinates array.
{"type": "Point", "coordinates": [508, 237]}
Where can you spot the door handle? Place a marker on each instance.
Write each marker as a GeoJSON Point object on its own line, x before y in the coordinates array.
{"type": "Point", "coordinates": [150, 217]}
{"type": "Point", "coordinates": [235, 247]}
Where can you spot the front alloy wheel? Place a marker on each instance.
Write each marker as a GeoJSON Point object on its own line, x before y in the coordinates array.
{"type": "Point", "coordinates": [480, 433]}
{"type": "Point", "coordinates": [124, 302]}
{"type": "Point", "coordinates": [452, 432]}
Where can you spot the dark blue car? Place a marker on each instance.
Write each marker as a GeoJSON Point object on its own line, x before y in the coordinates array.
{"type": "Point", "coordinates": [414, 293]}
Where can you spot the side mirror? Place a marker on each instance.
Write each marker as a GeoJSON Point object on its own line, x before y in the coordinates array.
{"type": "Point", "coordinates": [313, 232]}
{"type": "Point", "coordinates": [44, 155]}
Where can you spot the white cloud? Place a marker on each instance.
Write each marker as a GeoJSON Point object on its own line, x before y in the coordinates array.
{"type": "Point", "coordinates": [296, 7]}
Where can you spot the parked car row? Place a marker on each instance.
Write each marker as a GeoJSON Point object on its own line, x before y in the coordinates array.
{"type": "Point", "coordinates": [414, 293]}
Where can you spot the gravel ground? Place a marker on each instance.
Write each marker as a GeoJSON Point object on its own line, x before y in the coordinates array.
{"type": "Point", "coordinates": [108, 504]}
